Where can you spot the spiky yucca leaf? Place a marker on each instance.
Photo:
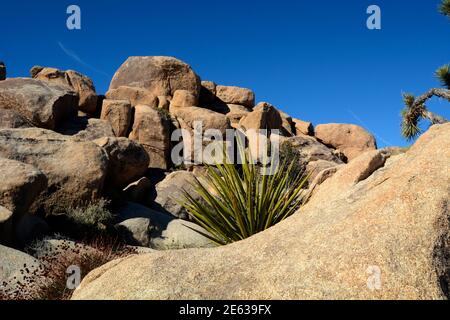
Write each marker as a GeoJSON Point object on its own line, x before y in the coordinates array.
{"type": "Point", "coordinates": [445, 7]}
{"type": "Point", "coordinates": [236, 204]}
{"type": "Point", "coordinates": [443, 74]}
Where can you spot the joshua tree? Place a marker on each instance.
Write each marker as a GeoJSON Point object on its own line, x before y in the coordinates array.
{"type": "Point", "coordinates": [416, 109]}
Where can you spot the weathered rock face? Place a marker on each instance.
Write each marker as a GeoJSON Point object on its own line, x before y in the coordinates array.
{"type": "Point", "coordinates": [351, 139]}
{"type": "Point", "coordinates": [128, 161]}
{"type": "Point", "coordinates": [236, 113]}
{"type": "Point", "coordinates": [20, 185]}
{"type": "Point", "coordinates": [287, 124]}
{"type": "Point", "coordinates": [152, 130]}
{"type": "Point", "coordinates": [73, 80]}
{"type": "Point", "coordinates": [170, 193]}
{"type": "Point", "coordinates": [264, 116]}
{"type": "Point", "coordinates": [11, 265]}
{"type": "Point", "coordinates": [84, 128]}
{"type": "Point", "coordinates": [196, 122]}
{"type": "Point", "coordinates": [183, 98]}
{"type": "Point", "coordinates": [41, 104]}
{"type": "Point", "coordinates": [309, 149]}
{"type": "Point", "coordinates": [10, 119]}
{"type": "Point", "coordinates": [6, 226]}
{"type": "Point", "coordinates": [303, 127]}
{"type": "Point", "coordinates": [162, 76]}
{"type": "Point", "coordinates": [118, 114]}
{"type": "Point", "coordinates": [236, 95]}
{"type": "Point", "coordinates": [2, 71]}
{"type": "Point", "coordinates": [134, 96]}
{"type": "Point", "coordinates": [145, 227]}
{"type": "Point", "coordinates": [75, 170]}
{"type": "Point", "coordinates": [374, 217]}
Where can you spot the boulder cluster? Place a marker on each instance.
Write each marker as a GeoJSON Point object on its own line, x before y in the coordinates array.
{"type": "Point", "coordinates": [64, 146]}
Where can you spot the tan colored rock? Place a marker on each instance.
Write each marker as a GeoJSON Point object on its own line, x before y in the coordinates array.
{"type": "Point", "coordinates": [236, 113]}
{"type": "Point", "coordinates": [41, 104]}
{"type": "Point", "coordinates": [75, 170]}
{"type": "Point", "coordinates": [72, 80]}
{"type": "Point", "coordinates": [392, 224]}
{"type": "Point", "coordinates": [314, 168]}
{"type": "Point", "coordinates": [263, 116]}
{"type": "Point", "coordinates": [287, 124]}
{"type": "Point", "coordinates": [6, 226]}
{"type": "Point", "coordinates": [9, 119]}
{"type": "Point", "coordinates": [128, 161]}
{"type": "Point", "coordinates": [303, 127]}
{"type": "Point", "coordinates": [20, 185]}
{"type": "Point", "coordinates": [198, 120]}
{"type": "Point", "coordinates": [309, 149]}
{"type": "Point", "coordinates": [183, 98]}
{"type": "Point", "coordinates": [84, 128]}
{"type": "Point", "coordinates": [236, 95]}
{"type": "Point", "coordinates": [164, 103]}
{"type": "Point", "coordinates": [134, 95]}
{"type": "Point", "coordinates": [151, 129]}
{"type": "Point", "coordinates": [351, 139]}
{"type": "Point", "coordinates": [162, 76]}
{"type": "Point", "coordinates": [170, 192]}
{"type": "Point", "coordinates": [118, 113]}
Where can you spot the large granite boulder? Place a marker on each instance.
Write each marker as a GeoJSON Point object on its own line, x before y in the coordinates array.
{"type": "Point", "coordinates": [42, 104]}
{"type": "Point", "coordinates": [128, 161]}
{"type": "Point", "coordinates": [151, 129]}
{"type": "Point", "coordinates": [75, 170]}
{"type": "Point", "coordinates": [351, 139]}
{"type": "Point", "coordinates": [73, 80]}
{"type": "Point", "coordinates": [162, 76]}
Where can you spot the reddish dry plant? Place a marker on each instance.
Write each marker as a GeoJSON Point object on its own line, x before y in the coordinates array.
{"type": "Point", "coordinates": [49, 280]}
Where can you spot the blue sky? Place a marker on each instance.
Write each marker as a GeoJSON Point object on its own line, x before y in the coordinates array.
{"type": "Point", "coordinates": [316, 60]}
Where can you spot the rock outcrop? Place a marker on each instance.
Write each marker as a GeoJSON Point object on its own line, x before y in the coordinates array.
{"type": "Point", "coordinates": [161, 76]}
{"type": "Point", "coordinates": [42, 104]}
{"type": "Point", "coordinates": [74, 81]}
{"type": "Point", "coordinates": [378, 229]}
{"type": "Point", "coordinates": [75, 170]}
{"type": "Point", "coordinates": [351, 139]}
{"type": "Point", "coordinates": [128, 161]}
{"type": "Point", "coordinates": [151, 129]}
{"type": "Point", "coordinates": [21, 184]}
{"type": "Point", "coordinates": [119, 114]}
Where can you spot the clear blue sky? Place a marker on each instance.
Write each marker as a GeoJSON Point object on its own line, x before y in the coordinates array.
{"type": "Point", "coordinates": [316, 60]}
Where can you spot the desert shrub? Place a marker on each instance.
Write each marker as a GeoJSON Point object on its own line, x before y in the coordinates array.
{"type": "Point", "coordinates": [292, 155]}
{"type": "Point", "coordinates": [237, 203]}
{"type": "Point", "coordinates": [86, 222]}
{"type": "Point", "coordinates": [49, 281]}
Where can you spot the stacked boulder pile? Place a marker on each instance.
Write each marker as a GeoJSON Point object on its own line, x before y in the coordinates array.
{"type": "Point", "coordinates": [63, 145]}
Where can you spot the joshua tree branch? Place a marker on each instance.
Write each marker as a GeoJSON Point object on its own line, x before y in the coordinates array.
{"type": "Point", "coordinates": [441, 93]}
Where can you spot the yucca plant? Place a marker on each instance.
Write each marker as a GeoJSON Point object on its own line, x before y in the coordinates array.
{"type": "Point", "coordinates": [238, 202]}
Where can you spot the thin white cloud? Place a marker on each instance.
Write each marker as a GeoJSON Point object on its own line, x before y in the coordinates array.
{"type": "Point", "coordinates": [74, 56]}
{"type": "Point", "coordinates": [380, 138]}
